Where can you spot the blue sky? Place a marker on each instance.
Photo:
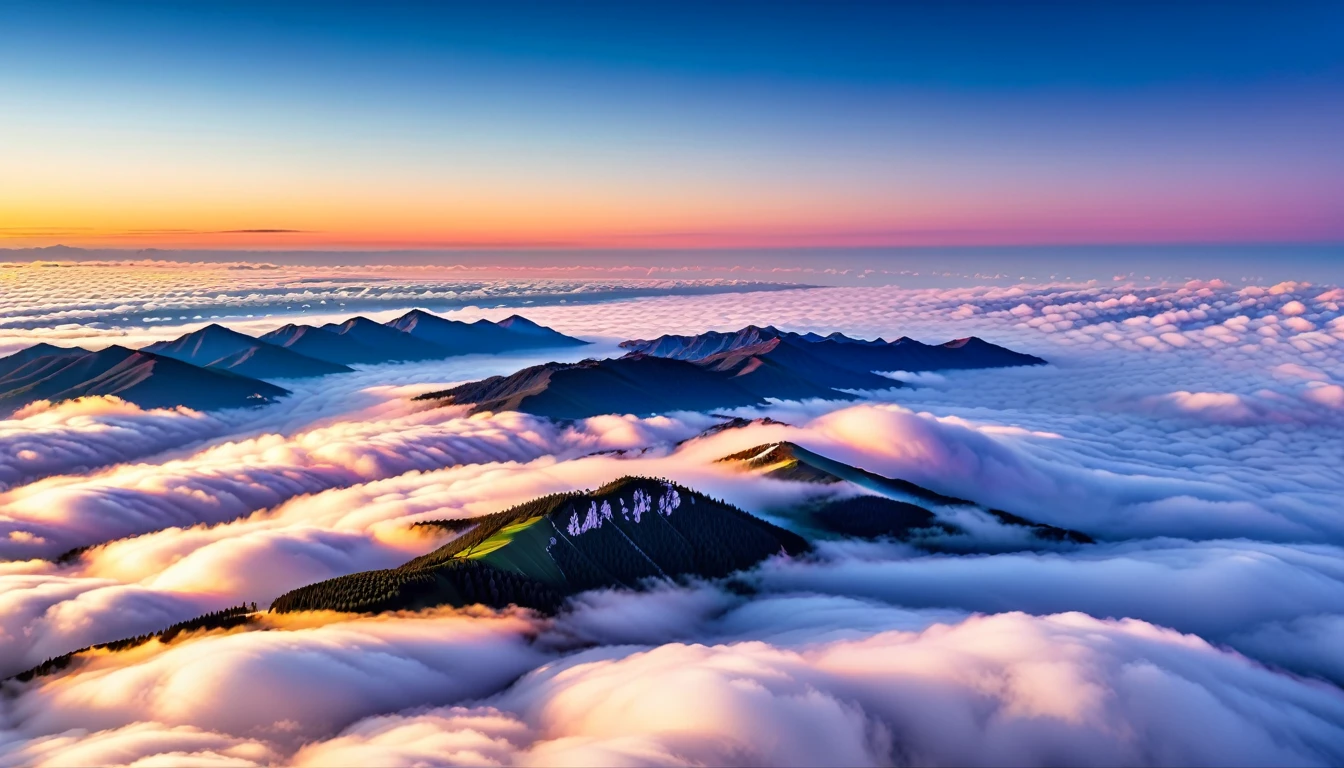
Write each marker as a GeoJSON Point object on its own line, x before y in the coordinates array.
{"type": "Point", "coordinates": [634, 124]}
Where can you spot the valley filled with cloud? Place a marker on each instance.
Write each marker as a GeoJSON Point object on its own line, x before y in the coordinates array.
{"type": "Point", "coordinates": [1134, 553]}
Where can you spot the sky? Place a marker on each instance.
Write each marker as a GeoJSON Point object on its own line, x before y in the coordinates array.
{"type": "Point", "coordinates": [402, 126]}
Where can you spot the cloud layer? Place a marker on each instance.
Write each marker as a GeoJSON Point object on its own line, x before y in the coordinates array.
{"type": "Point", "coordinates": [1196, 431]}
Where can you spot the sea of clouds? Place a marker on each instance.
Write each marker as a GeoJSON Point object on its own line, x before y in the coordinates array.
{"type": "Point", "coordinates": [1195, 431]}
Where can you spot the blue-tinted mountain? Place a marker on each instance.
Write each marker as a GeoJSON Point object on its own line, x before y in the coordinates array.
{"type": "Point", "coordinates": [482, 336]}
{"type": "Point", "coordinates": [539, 552]}
{"type": "Point", "coordinates": [321, 344]}
{"type": "Point", "coordinates": [48, 353]}
{"type": "Point", "coordinates": [644, 384]}
{"type": "Point", "coordinates": [215, 346]}
{"type": "Point", "coordinates": [785, 369]}
{"type": "Point", "coordinates": [140, 377]}
{"type": "Point", "coordinates": [838, 350]}
{"type": "Point", "coordinates": [216, 367]}
{"type": "Point", "coordinates": [517, 324]}
{"type": "Point", "coordinates": [394, 344]}
{"type": "Point", "coordinates": [637, 384]}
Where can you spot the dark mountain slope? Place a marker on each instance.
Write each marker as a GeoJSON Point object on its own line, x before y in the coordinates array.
{"type": "Point", "coordinates": [143, 378]}
{"type": "Point", "coordinates": [870, 517]}
{"type": "Point", "coordinates": [549, 337]}
{"type": "Point", "coordinates": [47, 377]}
{"type": "Point", "coordinates": [319, 344]}
{"type": "Point", "coordinates": [645, 384]}
{"type": "Point", "coordinates": [841, 351]}
{"type": "Point", "coordinates": [265, 361]}
{"type": "Point", "coordinates": [456, 337]}
{"type": "Point", "coordinates": [203, 347]}
{"type": "Point", "coordinates": [635, 384]}
{"type": "Point", "coordinates": [46, 352]}
{"type": "Point", "coordinates": [538, 552]}
{"type": "Point", "coordinates": [218, 347]}
{"type": "Point", "coordinates": [393, 343]}
{"type": "Point", "coordinates": [790, 461]}
{"type": "Point", "coordinates": [788, 370]}
{"type": "Point", "coordinates": [481, 336]}
{"type": "Point", "coordinates": [702, 345]}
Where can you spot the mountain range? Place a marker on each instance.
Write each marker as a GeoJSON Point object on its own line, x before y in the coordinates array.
{"type": "Point", "coordinates": [215, 367]}
{"type": "Point", "coordinates": [720, 370]}
{"type": "Point", "coordinates": [841, 351]}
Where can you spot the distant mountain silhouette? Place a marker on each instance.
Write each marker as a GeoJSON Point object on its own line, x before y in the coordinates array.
{"type": "Point", "coordinates": [522, 326]}
{"type": "Point", "coordinates": [896, 511]}
{"type": "Point", "coordinates": [320, 344]}
{"type": "Point", "coordinates": [143, 378]}
{"type": "Point", "coordinates": [719, 370]}
{"type": "Point", "coordinates": [790, 370]}
{"type": "Point", "coordinates": [636, 384]}
{"type": "Point", "coordinates": [537, 553]}
{"type": "Point", "coordinates": [224, 368]}
{"type": "Point", "coordinates": [838, 350]}
{"type": "Point", "coordinates": [393, 343]}
{"type": "Point", "coordinates": [48, 352]}
{"type": "Point", "coordinates": [481, 336]}
{"type": "Point", "coordinates": [215, 346]}
{"type": "Point", "coordinates": [415, 336]}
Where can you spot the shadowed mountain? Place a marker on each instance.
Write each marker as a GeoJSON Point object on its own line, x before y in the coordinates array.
{"type": "Point", "coordinates": [897, 506]}
{"type": "Point", "coordinates": [789, 370]}
{"type": "Point", "coordinates": [790, 461]}
{"type": "Point", "coordinates": [840, 351]}
{"type": "Point", "coordinates": [394, 344]}
{"type": "Point", "coordinates": [143, 378]}
{"type": "Point", "coordinates": [633, 384]}
{"type": "Point", "coordinates": [645, 384]}
{"type": "Point", "coordinates": [719, 370]}
{"type": "Point", "coordinates": [481, 336]}
{"type": "Point", "coordinates": [537, 553]}
{"type": "Point", "coordinates": [217, 347]}
{"type": "Point", "coordinates": [520, 325]}
{"type": "Point", "coordinates": [47, 353]}
{"type": "Point", "coordinates": [320, 344]}
{"type": "Point", "coordinates": [216, 367]}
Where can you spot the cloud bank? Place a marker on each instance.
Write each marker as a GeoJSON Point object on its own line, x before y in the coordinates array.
{"type": "Point", "coordinates": [1194, 430]}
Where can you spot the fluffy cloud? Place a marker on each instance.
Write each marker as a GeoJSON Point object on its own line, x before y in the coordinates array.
{"type": "Point", "coordinates": [983, 690]}
{"type": "Point", "coordinates": [80, 436]}
{"type": "Point", "coordinates": [284, 686]}
{"type": "Point", "coordinates": [1194, 429]}
{"type": "Point", "coordinates": [232, 479]}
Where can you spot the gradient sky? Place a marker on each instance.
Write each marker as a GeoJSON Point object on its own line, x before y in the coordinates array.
{"type": "Point", "coordinates": [634, 125]}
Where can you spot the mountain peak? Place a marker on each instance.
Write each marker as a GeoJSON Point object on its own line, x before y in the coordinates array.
{"type": "Point", "coordinates": [536, 553]}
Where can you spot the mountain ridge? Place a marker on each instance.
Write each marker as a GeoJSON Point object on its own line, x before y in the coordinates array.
{"type": "Point", "coordinates": [143, 378]}
{"type": "Point", "coordinates": [836, 349]}
{"type": "Point", "coordinates": [792, 462]}
{"type": "Point", "coordinates": [717, 370]}
{"type": "Point", "coordinates": [220, 362]}
{"type": "Point", "coordinates": [217, 347]}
